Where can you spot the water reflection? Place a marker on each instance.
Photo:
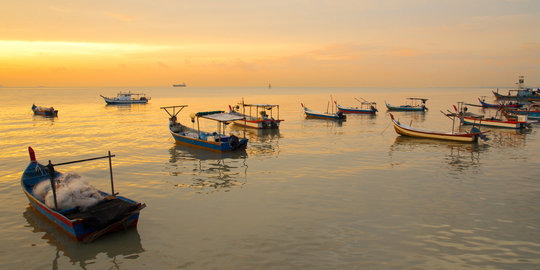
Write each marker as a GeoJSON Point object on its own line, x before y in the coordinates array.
{"type": "Point", "coordinates": [126, 107]}
{"type": "Point", "coordinates": [262, 142]}
{"type": "Point", "coordinates": [126, 244]}
{"type": "Point", "coordinates": [44, 118]}
{"type": "Point", "coordinates": [208, 169]}
{"type": "Point", "coordinates": [416, 116]}
{"type": "Point", "coordinates": [458, 155]}
{"type": "Point", "coordinates": [501, 137]}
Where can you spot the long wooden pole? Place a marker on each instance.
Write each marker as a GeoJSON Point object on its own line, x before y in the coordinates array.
{"type": "Point", "coordinates": [50, 166]}
{"type": "Point", "coordinates": [110, 170]}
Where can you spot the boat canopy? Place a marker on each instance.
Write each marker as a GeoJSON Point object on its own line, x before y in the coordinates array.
{"type": "Point", "coordinates": [415, 98]}
{"type": "Point", "coordinates": [219, 116]}
{"type": "Point", "coordinates": [259, 105]}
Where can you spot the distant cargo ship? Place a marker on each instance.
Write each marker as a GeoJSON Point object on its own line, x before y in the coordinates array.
{"type": "Point", "coordinates": [179, 85]}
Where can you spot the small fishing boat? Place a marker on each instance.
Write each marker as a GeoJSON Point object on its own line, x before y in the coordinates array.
{"type": "Point", "coordinates": [127, 98]}
{"type": "Point", "coordinates": [179, 85]}
{"type": "Point", "coordinates": [323, 115]}
{"type": "Point", "coordinates": [366, 107]}
{"type": "Point", "coordinates": [413, 104]}
{"type": "Point", "coordinates": [521, 93]}
{"type": "Point", "coordinates": [409, 131]}
{"type": "Point", "coordinates": [520, 123]}
{"type": "Point", "coordinates": [80, 210]}
{"type": "Point", "coordinates": [510, 104]}
{"type": "Point", "coordinates": [257, 116]}
{"type": "Point", "coordinates": [532, 110]}
{"type": "Point", "coordinates": [511, 115]}
{"type": "Point", "coordinates": [47, 111]}
{"type": "Point", "coordinates": [214, 141]}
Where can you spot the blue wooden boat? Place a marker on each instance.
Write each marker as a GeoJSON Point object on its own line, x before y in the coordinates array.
{"type": "Point", "coordinates": [511, 104]}
{"type": "Point", "coordinates": [413, 104]}
{"type": "Point", "coordinates": [111, 213]}
{"type": "Point", "coordinates": [214, 141]}
{"type": "Point", "coordinates": [521, 93]}
{"type": "Point", "coordinates": [323, 115]}
{"type": "Point", "coordinates": [46, 111]}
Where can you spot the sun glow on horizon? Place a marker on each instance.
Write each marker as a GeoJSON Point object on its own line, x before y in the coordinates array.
{"type": "Point", "coordinates": [291, 43]}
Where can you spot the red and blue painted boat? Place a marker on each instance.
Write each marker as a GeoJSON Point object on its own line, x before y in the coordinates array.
{"type": "Point", "coordinates": [500, 105]}
{"type": "Point", "coordinates": [46, 111]}
{"type": "Point", "coordinates": [520, 123]}
{"type": "Point", "coordinates": [215, 141]}
{"type": "Point", "coordinates": [257, 117]}
{"type": "Point", "coordinates": [111, 214]}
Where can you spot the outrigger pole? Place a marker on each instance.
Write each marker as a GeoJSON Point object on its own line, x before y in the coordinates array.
{"type": "Point", "coordinates": [50, 167]}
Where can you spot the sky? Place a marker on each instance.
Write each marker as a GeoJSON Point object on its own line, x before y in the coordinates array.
{"type": "Point", "coordinates": [294, 43]}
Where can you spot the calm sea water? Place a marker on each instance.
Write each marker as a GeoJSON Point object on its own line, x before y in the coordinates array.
{"type": "Point", "coordinates": [316, 194]}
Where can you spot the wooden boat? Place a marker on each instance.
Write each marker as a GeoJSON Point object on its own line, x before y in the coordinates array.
{"type": "Point", "coordinates": [413, 104]}
{"type": "Point", "coordinates": [323, 115]}
{"type": "Point", "coordinates": [405, 130]}
{"type": "Point", "coordinates": [257, 117]}
{"type": "Point", "coordinates": [47, 111]}
{"type": "Point", "coordinates": [520, 123]}
{"type": "Point", "coordinates": [521, 93]}
{"type": "Point", "coordinates": [111, 213]}
{"type": "Point", "coordinates": [366, 107]}
{"type": "Point", "coordinates": [532, 110]}
{"type": "Point", "coordinates": [511, 104]}
{"type": "Point", "coordinates": [127, 98]}
{"type": "Point", "coordinates": [215, 141]}
{"type": "Point", "coordinates": [531, 118]}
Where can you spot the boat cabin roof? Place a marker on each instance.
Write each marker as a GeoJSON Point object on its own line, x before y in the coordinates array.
{"type": "Point", "coordinates": [258, 105]}
{"type": "Point", "coordinates": [130, 94]}
{"type": "Point", "coordinates": [219, 116]}
{"type": "Point", "coordinates": [415, 98]}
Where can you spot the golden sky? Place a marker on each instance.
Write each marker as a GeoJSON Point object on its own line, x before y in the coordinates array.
{"type": "Point", "coordinates": [357, 43]}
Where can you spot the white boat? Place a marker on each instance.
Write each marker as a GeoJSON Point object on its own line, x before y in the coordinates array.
{"type": "Point", "coordinates": [260, 116]}
{"type": "Point", "coordinates": [127, 98]}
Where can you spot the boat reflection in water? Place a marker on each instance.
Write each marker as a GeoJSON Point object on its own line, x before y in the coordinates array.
{"type": "Point", "coordinates": [126, 107]}
{"type": "Point", "coordinates": [458, 155]}
{"type": "Point", "coordinates": [502, 138]}
{"type": "Point", "coordinates": [262, 142]}
{"type": "Point", "coordinates": [207, 169]}
{"type": "Point", "coordinates": [121, 245]}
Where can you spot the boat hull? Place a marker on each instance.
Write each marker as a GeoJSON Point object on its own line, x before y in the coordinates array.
{"type": "Point", "coordinates": [259, 124]}
{"type": "Point", "coordinates": [322, 115]}
{"type": "Point", "coordinates": [350, 110]}
{"type": "Point", "coordinates": [112, 101]}
{"type": "Point", "coordinates": [45, 112]}
{"type": "Point", "coordinates": [427, 134]}
{"type": "Point", "coordinates": [75, 228]}
{"type": "Point", "coordinates": [208, 145]}
{"type": "Point", "coordinates": [488, 105]}
{"type": "Point", "coordinates": [405, 108]}
{"type": "Point", "coordinates": [495, 123]}
{"type": "Point", "coordinates": [522, 95]}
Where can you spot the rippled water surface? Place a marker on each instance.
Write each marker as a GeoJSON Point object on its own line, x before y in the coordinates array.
{"type": "Point", "coordinates": [315, 194]}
